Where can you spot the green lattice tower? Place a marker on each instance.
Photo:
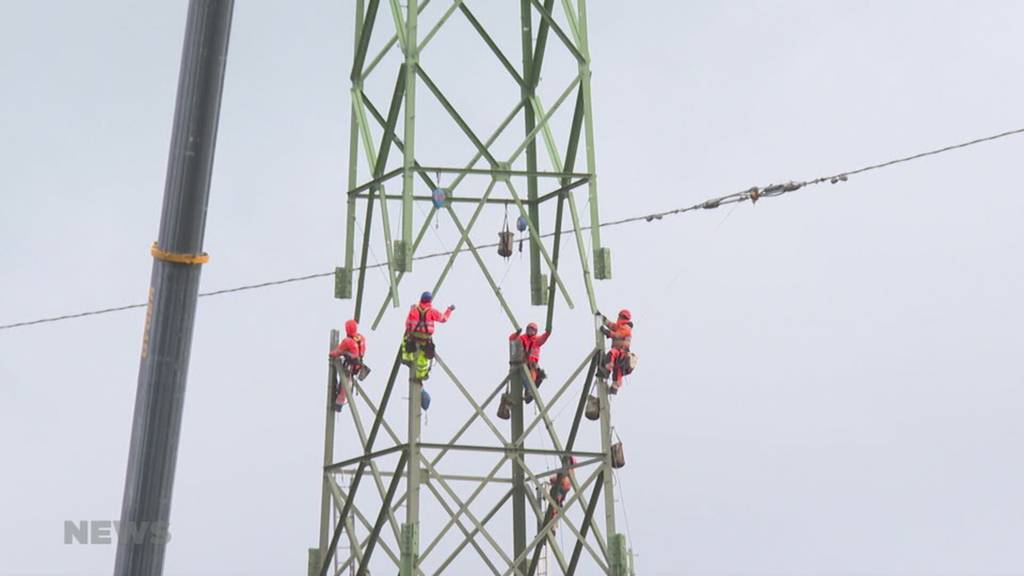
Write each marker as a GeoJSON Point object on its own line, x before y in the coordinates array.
{"type": "Point", "coordinates": [518, 179]}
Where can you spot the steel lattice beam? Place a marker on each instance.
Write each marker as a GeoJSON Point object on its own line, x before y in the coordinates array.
{"type": "Point", "coordinates": [384, 155]}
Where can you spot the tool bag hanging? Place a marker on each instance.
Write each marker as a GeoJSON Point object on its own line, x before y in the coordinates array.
{"type": "Point", "coordinates": [593, 409]}
{"type": "Point", "coordinates": [505, 405]}
{"type": "Point", "coordinates": [618, 455]}
{"type": "Point", "coordinates": [506, 238]}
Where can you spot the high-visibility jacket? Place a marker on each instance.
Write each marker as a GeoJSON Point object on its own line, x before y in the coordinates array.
{"type": "Point", "coordinates": [354, 344]}
{"type": "Point", "coordinates": [421, 319]}
{"type": "Point", "coordinates": [560, 486]}
{"type": "Point", "coordinates": [621, 333]}
{"type": "Point", "coordinates": [531, 344]}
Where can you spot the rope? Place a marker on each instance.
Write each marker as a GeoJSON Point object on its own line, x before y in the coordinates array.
{"type": "Point", "coordinates": [625, 509]}
{"type": "Point", "coordinates": [752, 195]}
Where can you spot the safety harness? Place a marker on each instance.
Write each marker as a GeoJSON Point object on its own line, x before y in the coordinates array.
{"type": "Point", "coordinates": [419, 337]}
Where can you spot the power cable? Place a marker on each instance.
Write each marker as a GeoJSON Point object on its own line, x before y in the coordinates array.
{"type": "Point", "coordinates": [751, 195]}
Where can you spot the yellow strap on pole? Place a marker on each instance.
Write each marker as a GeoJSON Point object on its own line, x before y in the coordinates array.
{"type": "Point", "coordinates": [177, 257]}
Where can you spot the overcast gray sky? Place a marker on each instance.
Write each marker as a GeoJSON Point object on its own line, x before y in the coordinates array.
{"type": "Point", "coordinates": [830, 383]}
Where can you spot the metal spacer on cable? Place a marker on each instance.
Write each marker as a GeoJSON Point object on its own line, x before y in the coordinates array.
{"type": "Point", "coordinates": [178, 257]}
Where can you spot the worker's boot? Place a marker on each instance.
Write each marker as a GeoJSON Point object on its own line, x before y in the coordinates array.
{"type": "Point", "coordinates": [603, 371]}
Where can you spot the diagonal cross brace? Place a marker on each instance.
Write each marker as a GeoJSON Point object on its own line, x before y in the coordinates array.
{"type": "Point", "coordinates": [554, 399]}
{"type": "Point", "coordinates": [364, 41]}
{"type": "Point", "coordinates": [556, 441]}
{"type": "Point", "coordinates": [588, 520]}
{"type": "Point", "coordinates": [385, 509]}
{"type": "Point", "coordinates": [357, 547]}
{"type": "Point", "coordinates": [464, 507]}
{"type": "Point", "coordinates": [543, 533]}
{"type": "Point", "coordinates": [491, 44]}
{"type": "Point", "coordinates": [451, 188]}
{"type": "Point", "coordinates": [487, 420]}
{"type": "Point", "coordinates": [490, 514]}
{"type": "Point", "coordinates": [470, 536]}
{"type": "Point", "coordinates": [332, 548]}
{"type": "Point", "coordinates": [546, 15]}
{"type": "Point", "coordinates": [550, 540]}
{"type": "Point", "coordinates": [361, 432]}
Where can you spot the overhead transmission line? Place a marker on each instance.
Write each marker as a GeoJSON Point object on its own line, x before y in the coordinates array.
{"type": "Point", "coordinates": [751, 195]}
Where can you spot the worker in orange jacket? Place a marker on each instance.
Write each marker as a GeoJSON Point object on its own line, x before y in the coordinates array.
{"type": "Point", "coordinates": [531, 342]}
{"type": "Point", "coordinates": [560, 485]}
{"type": "Point", "coordinates": [418, 350]}
{"type": "Point", "coordinates": [351, 351]}
{"type": "Point", "coordinates": [616, 361]}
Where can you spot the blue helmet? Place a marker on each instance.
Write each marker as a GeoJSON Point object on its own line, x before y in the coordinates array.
{"type": "Point", "coordinates": [427, 296]}
{"type": "Point", "coordinates": [424, 399]}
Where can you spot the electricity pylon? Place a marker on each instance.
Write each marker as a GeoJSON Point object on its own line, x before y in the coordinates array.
{"type": "Point", "coordinates": [506, 163]}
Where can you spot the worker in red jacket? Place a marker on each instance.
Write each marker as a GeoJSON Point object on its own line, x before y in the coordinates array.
{"type": "Point", "coordinates": [418, 350]}
{"type": "Point", "coordinates": [617, 360]}
{"type": "Point", "coordinates": [351, 351]}
{"type": "Point", "coordinates": [531, 342]}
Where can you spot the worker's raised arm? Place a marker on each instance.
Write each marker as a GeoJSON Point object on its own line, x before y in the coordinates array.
{"type": "Point", "coordinates": [543, 338]}
{"type": "Point", "coordinates": [439, 317]}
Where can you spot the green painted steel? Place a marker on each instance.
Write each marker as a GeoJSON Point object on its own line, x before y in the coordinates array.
{"type": "Point", "coordinates": [325, 496]}
{"type": "Point", "coordinates": [412, 473]}
{"type": "Point", "coordinates": [618, 556]}
{"type": "Point", "coordinates": [606, 438]}
{"type": "Point", "coordinates": [502, 172]}
{"type": "Point", "coordinates": [408, 151]}
{"type": "Point", "coordinates": [312, 561]}
{"type": "Point", "coordinates": [530, 121]}
{"type": "Point", "coordinates": [410, 549]}
{"type": "Point", "coordinates": [342, 283]}
{"type": "Point", "coordinates": [344, 291]}
{"type": "Point", "coordinates": [518, 478]}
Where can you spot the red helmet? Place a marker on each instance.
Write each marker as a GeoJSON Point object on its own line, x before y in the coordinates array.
{"type": "Point", "coordinates": [531, 327]}
{"type": "Point", "coordinates": [351, 327]}
{"type": "Point", "coordinates": [625, 315]}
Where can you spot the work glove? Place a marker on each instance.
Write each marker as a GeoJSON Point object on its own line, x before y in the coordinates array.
{"type": "Point", "coordinates": [451, 307]}
{"type": "Point", "coordinates": [519, 331]}
{"type": "Point", "coordinates": [606, 331]}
